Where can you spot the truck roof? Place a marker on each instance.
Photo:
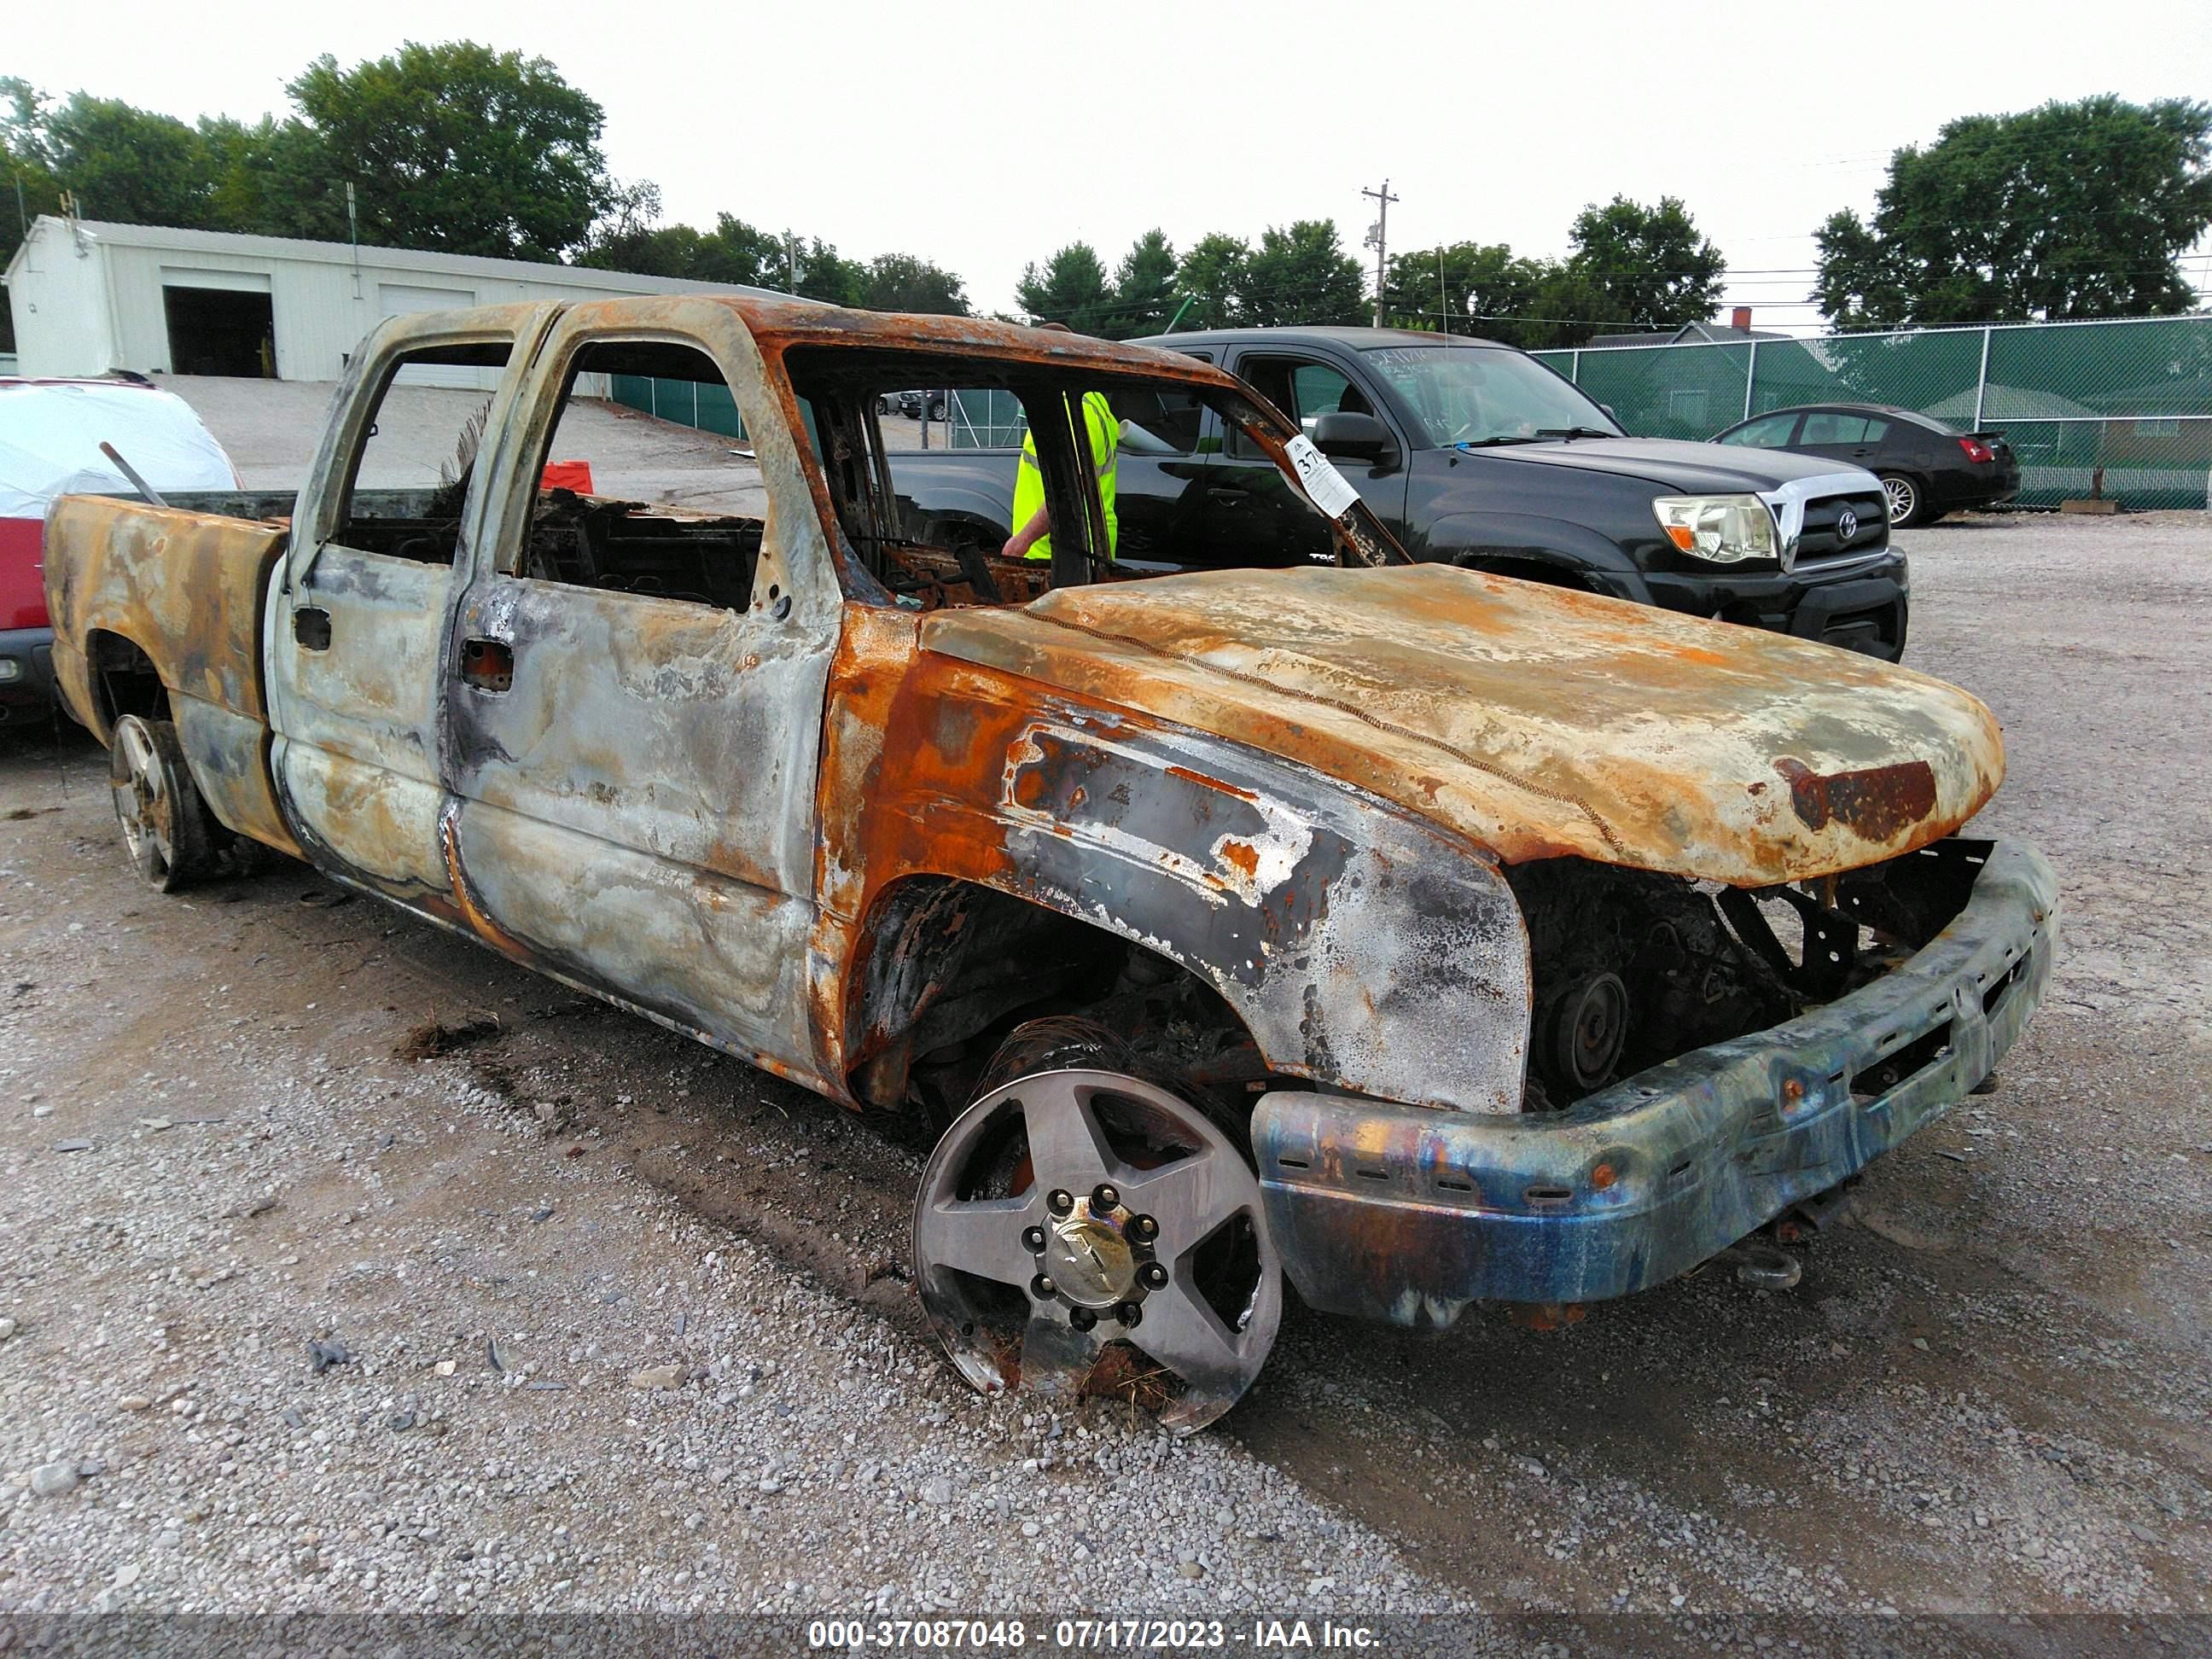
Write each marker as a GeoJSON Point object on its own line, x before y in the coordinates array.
{"type": "Point", "coordinates": [777, 324]}
{"type": "Point", "coordinates": [1358, 339]}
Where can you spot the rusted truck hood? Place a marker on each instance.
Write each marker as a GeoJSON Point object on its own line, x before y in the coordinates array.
{"type": "Point", "coordinates": [1535, 721]}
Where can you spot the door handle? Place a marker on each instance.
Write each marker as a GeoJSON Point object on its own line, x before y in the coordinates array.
{"type": "Point", "coordinates": [1228, 497]}
{"type": "Point", "coordinates": [488, 664]}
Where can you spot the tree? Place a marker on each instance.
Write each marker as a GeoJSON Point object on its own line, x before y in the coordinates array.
{"type": "Point", "coordinates": [1145, 296]}
{"type": "Point", "coordinates": [1653, 266]}
{"type": "Point", "coordinates": [2080, 210]}
{"type": "Point", "coordinates": [25, 164]}
{"type": "Point", "coordinates": [129, 164]}
{"type": "Point", "coordinates": [1302, 275]}
{"type": "Point", "coordinates": [823, 274]}
{"type": "Point", "coordinates": [1212, 275]}
{"type": "Point", "coordinates": [453, 147]}
{"type": "Point", "coordinates": [1486, 287]}
{"type": "Point", "coordinates": [901, 281]}
{"type": "Point", "coordinates": [1071, 288]}
{"type": "Point", "coordinates": [1569, 306]}
{"type": "Point", "coordinates": [735, 252]}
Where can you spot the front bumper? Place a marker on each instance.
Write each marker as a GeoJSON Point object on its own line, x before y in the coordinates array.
{"type": "Point", "coordinates": [26, 670]}
{"type": "Point", "coordinates": [1862, 603]}
{"type": "Point", "coordinates": [1407, 1215]}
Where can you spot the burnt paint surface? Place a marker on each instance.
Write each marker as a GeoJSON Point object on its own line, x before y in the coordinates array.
{"type": "Point", "coordinates": [1298, 783]}
{"type": "Point", "coordinates": [1534, 722]}
{"type": "Point", "coordinates": [1878, 802]}
{"type": "Point", "coordinates": [185, 589]}
{"type": "Point", "coordinates": [1358, 945]}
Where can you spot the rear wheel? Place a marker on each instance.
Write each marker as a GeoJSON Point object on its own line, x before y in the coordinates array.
{"type": "Point", "coordinates": [1083, 1229]}
{"type": "Point", "coordinates": [168, 831]}
{"type": "Point", "coordinates": [1907, 504]}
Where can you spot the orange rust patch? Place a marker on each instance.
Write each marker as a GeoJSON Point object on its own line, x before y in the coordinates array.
{"type": "Point", "coordinates": [1244, 855]}
{"type": "Point", "coordinates": [1877, 803]}
{"type": "Point", "coordinates": [488, 929]}
{"type": "Point", "coordinates": [1200, 779]}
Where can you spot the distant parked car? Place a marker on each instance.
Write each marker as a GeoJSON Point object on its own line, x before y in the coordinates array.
{"type": "Point", "coordinates": [1927, 469]}
{"type": "Point", "coordinates": [51, 432]}
{"type": "Point", "coordinates": [922, 406]}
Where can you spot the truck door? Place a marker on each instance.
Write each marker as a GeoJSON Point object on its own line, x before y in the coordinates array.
{"type": "Point", "coordinates": [1256, 516]}
{"type": "Point", "coordinates": [355, 633]}
{"type": "Point", "coordinates": [636, 691]}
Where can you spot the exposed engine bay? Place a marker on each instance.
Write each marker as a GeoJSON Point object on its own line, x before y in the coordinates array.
{"type": "Point", "coordinates": [1632, 968]}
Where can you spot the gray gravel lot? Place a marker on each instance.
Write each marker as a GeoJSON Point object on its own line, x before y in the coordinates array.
{"type": "Point", "coordinates": [622, 1324]}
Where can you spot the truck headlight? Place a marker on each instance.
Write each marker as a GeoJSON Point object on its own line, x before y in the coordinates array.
{"type": "Point", "coordinates": [9, 670]}
{"type": "Point", "coordinates": [1725, 529]}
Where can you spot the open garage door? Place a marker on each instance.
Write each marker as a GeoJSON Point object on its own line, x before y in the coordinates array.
{"type": "Point", "coordinates": [400, 298]}
{"type": "Point", "coordinates": [221, 322]}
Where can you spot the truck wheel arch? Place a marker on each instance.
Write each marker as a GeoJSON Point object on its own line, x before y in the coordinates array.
{"type": "Point", "coordinates": [122, 680]}
{"type": "Point", "coordinates": [1357, 946]}
{"type": "Point", "coordinates": [1550, 573]}
{"type": "Point", "coordinates": [943, 967]}
{"type": "Point", "coordinates": [1534, 549]}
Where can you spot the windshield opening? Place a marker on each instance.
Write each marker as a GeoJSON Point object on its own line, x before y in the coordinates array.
{"type": "Point", "coordinates": [1098, 476]}
{"type": "Point", "coordinates": [1486, 395]}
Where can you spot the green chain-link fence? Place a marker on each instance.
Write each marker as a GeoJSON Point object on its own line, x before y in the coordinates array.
{"type": "Point", "coordinates": [2132, 398]}
{"type": "Point", "coordinates": [704, 404]}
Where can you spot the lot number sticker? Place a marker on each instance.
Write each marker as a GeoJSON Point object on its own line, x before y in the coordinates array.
{"type": "Point", "coordinates": [1323, 483]}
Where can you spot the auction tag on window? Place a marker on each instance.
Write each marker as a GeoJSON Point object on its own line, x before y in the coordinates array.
{"type": "Point", "coordinates": [1324, 484]}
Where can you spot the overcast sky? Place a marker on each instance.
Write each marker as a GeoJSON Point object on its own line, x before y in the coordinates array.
{"type": "Point", "coordinates": [985, 136]}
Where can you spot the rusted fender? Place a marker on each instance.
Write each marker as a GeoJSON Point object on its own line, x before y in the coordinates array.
{"type": "Point", "coordinates": [1535, 721]}
{"type": "Point", "coordinates": [184, 588]}
{"type": "Point", "coordinates": [1361, 946]}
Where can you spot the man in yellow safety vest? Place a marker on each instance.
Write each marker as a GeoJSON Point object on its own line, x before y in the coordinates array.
{"type": "Point", "coordinates": [1032, 537]}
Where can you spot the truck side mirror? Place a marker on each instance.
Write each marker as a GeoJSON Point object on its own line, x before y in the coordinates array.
{"type": "Point", "coordinates": [1350, 435]}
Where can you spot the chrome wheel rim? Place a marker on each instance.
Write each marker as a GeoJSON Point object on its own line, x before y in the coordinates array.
{"type": "Point", "coordinates": [1087, 1231]}
{"type": "Point", "coordinates": [142, 801]}
{"type": "Point", "coordinates": [1902, 497]}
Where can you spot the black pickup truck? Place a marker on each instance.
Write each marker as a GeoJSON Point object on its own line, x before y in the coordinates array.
{"type": "Point", "coordinates": [1472, 453]}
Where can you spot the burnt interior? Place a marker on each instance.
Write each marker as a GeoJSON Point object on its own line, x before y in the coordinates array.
{"type": "Point", "coordinates": [931, 561]}
{"type": "Point", "coordinates": [625, 547]}
{"type": "Point", "coordinates": [1632, 968]}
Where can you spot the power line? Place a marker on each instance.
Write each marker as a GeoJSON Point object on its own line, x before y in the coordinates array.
{"type": "Point", "coordinates": [1379, 240]}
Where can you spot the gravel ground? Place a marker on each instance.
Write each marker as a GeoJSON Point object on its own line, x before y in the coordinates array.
{"type": "Point", "coordinates": [604, 1321]}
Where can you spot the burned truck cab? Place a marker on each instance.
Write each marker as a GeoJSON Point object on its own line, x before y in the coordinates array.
{"type": "Point", "coordinates": [1411, 935]}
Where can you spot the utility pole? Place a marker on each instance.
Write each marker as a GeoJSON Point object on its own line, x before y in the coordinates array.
{"type": "Point", "coordinates": [791, 262]}
{"type": "Point", "coordinates": [1378, 238]}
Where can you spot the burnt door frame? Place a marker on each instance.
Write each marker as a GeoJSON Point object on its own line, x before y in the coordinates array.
{"type": "Point", "coordinates": [355, 641]}
{"type": "Point", "coordinates": [634, 805]}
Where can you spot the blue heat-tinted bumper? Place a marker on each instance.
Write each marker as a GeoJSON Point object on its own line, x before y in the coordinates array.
{"type": "Point", "coordinates": [1399, 1214]}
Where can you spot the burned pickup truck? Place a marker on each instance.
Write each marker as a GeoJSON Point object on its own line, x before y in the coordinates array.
{"type": "Point", "coordinates": [1418, 935]}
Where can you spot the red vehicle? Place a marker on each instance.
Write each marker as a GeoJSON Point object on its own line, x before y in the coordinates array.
{"type": "Point", "coordinates": [51, 432]}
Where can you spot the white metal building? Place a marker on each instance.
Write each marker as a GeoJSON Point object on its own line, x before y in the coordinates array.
{"type": "Point", "coordinates": [89, 297]}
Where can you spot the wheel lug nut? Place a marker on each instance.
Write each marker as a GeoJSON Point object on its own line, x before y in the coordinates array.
{"type": "Point", "coordinates": [1104, 1197]}
{"type": "Point", "coordinates": [1154, 1274]}
{"type": "Point", "coordinates": [1144, 1227]}
{"type": "Point", "coordinates": [1041, 1288]}
{"type": "Point", "coordinates": [1082, 1318]}
{"type": "Point", "coordinates": [1128, 1313]}
{"type": "Point", "coordinates": [1033, 1238]}
{"type": "Point", "coordinates": [1060, 1202]}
